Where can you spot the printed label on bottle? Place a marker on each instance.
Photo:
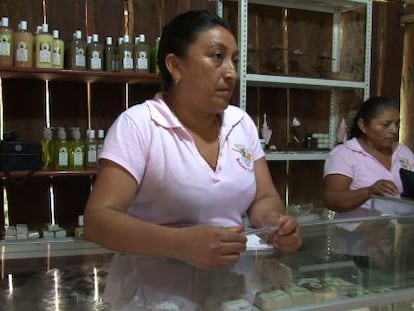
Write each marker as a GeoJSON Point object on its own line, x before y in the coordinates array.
{"type": "Point", "coordinates": [80, 57]}
{"type": "Point", "coordinates": [63, 158]}
{"type": "Point", "coordinates": [91, 153]}
{"type": "Point", "coordinates": [127, 61]}
{"type": "Point", "coordinates": [56, 56]}
{"type": "Point", "coordinates": [142, 61]}
{"type": "Point", "coordinates": [96, 61]}
{"type": "Point", "coordinates": [22, 52]}
{"type": "Point", "coordinates": [5, 45]}
{"type": "Point", "coordinates": [45, 56]}
{"type": "Point", "coordinates": [78, 157]}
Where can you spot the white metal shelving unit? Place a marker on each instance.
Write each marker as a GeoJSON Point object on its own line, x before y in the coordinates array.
{"type": "Point", "coordinates": [335, 7]}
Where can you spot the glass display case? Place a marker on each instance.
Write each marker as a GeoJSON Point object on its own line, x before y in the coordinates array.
{"type": "Point", "coordinates": [359, 264]}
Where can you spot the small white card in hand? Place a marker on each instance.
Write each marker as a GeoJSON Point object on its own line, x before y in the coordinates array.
{"type": "Point", "coordinates": [254, 242]}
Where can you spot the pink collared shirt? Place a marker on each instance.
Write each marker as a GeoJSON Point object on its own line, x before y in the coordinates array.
{"type": "Point", "coordinates": [351, 160]}
{"type": "Point", "coordinates": [177, 187]}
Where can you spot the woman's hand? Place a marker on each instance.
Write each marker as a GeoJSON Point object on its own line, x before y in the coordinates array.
{"type": "Point", "coordinates": [210, 247]}
{"type": "Point", "coordinates": [383, 187]}
{"type": "Point", "coordinates": [286, 235]}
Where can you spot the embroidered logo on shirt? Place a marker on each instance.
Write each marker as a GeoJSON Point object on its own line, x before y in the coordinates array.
{"type": "Point", "coordinates": [246, 157]}
{"type": "Point", "coordinates": [405, 163]}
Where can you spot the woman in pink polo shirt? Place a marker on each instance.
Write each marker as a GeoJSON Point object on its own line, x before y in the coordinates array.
{"type": "Point", "coordinates": [178, 172]}
{"type": "Point", "coordinates": [369, 162]}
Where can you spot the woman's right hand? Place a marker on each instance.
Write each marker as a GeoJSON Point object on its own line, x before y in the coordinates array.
{"type": "Point", "coordinates": [210, 247]}
{"type": "Point", "coordinates": [383, 187]}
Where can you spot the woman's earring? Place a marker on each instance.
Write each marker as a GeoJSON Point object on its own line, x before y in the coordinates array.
{"type": "Point", "coordinates": [176, 81]}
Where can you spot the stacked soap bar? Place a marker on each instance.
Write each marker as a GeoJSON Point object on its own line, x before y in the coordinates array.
{"type": "Point", "coordinates": [19, 232]}
{"type": "Point", "coordinates": [51, 231]}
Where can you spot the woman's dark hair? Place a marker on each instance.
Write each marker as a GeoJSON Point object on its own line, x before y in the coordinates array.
{"type": "Point", "coordinates": [369, 110]}
{"type": "Point", "coordinates": [181, 32]}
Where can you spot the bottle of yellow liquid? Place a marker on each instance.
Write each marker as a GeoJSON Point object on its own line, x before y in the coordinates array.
{"type": "Point", "coordinates": [23, 46]}
{"type": "Point", "coordinates": [77, 151]}
{"type": "Point", "coordinates": [62, 150]}
{"type": "Point", "coordinates": [6, 43]}
{"type": "Point", "coordinates": [44, 43]}
{"type": "Point", "coordinates": [58, 51]}
{"type": "Point", "coordinates": [142, 53]}
{"type": "Point", "coordinates": [47, 148]}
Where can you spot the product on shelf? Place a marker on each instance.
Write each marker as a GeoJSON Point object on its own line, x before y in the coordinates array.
{"type": "Point", "coordinates": [43, 48]}
{"type": "Point", "coordinates": [91, 149]}
{"type": "Point", "coordinates": [62, 150]}
{"type": "Point", "coordinates": [321, 291]}
{"type": "Point", "coordinates": [300, 295]}
{"type": "Point", "coordinates": [95, 54]}
{"type": "Point", "coordinates": [51, 231]}
{"type": "Point", "coordinates": [19, 232]}
{"type": "Point", "coordinates": [58, 51]}
{"type": "Point", "coordinates": [273, 300]}
{"type": "Point", "coordinates": [109, 55]}
{"type": "Point", "coordinates": [126, 55]}
{"type": "Point", "coordinates": [237, 305]}
{"type": "Point", "coordinates": [23, 46]}
{"type": "Point", "coordinates": [142, 53]}
{"type": "Point", "coordinates": [6, 43]}
{"type": "Point", "coordinates": [77, 52]}
{"type": "Point", "coordinates": [76, 151]}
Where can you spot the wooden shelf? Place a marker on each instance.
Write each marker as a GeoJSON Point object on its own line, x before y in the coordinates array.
{"type": "Point", "coordinates": [51, 173]}
{"type": "Point", "coordinates": [79, 75]}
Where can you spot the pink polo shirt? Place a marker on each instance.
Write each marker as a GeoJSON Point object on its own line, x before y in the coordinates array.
{"type": "Point", "coordinates": [351, 160]}
{"type": "Point", "coordinates": [176, 185]}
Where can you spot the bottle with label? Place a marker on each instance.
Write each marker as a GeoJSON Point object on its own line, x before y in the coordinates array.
{"type": "Point", "coordinates": [142, 52]}
{"type": "Point", "coordinates": [153, 58]}
{"type": "Point", "coordinates": [23, 46]}
{"type": "Point", "coordinates": [62, 150]}
{"type": "Point", "coordinates": [100, 141]}
{"type": "Point", "coordinates": [91, 149]}
{"type": "Point", "coordinates": [77, 52]}
{"type": "Point", "coordinates": [109, 55]}
{"type": "Point", "coordinates": [58, 51]}
{"type": "Point", "coordinates": [6, 43]}
{"type": "Point", "coordinates": [79, 227]}
{"type": "Point", "coordinates": [95, 54]}
{"type": "Point", "coordinates": [44, 43]}
{"type": "Point", "coordinates": [77, 151]}
{"type": "Point", "coordinates": [36, 34]}
{"type": "Point", "coordinates": [47, 148]}
{"type": "Point", "coordinates": [126, 55]}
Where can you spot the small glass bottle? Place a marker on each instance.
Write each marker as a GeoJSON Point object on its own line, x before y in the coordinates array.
{"type": "Point", "coordinates": [47, 148]}
{"type": "Point", "coordinates": [44, 43]}
{"type": "Point", "coordinates": [100, 142]}
{"type": "Point", "coordinates": [23, 46]}
{"type": "Point", "coordinates": [58, 51]}
{"type": "Point", "coordinates": [6, 43]}
{"type": "Point", "coordinates": [79, 228]}
{"type": "Point", "coordinates": [153, 58]}
{"type": "Point", "coordinates": [77, 52]}
{"type": "Point", "coordinates": [95, 54]}
{"type": "Point", "coordinates": [109, 55]}
{"type": "Point", "coordinates": [91, 149]}
{"type": "Point", "coordinates": [62, 150]}
{"type": "Point", "coordinates": [126, 55]}
{"type": "Point", "coordinates": [142, 53]}
{"type": "Point", "coordinates": [77, 151]}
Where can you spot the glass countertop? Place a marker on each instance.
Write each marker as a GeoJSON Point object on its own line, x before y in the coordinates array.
{"type": "Point", "coordinates": [342, 265]}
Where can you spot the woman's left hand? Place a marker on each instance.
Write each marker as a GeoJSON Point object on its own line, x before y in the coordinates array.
{"type": "Point", "coordinates": [287, 235]}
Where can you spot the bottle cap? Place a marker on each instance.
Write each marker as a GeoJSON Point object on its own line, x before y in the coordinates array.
{"type": "Point", "coordinates": [101, 133]}
{"type": "Point", "coordinates": [61, 133]}
{"type": "Point", "coordinates": [55, 34]}
{"type": "Point", "coordinates": [78, 34]}
{"type": "Point", "coordinates": [142, 38]}
{"type": "Point", "coordinates": [45, 27]}
{"type": "Point", "coordinates": [126, 38]}
{"type": "Point", "coordinates": [80, 220]}
{"type": "Point", "coordinates": [5, 21]}
{"type": "Point", "coordinates": [47, 133]}
{"type": "Point", "coordinates": [95, 38]}
{"type": "Point", "coordinates": [88, 39]}
{"type": "Point", "coordinates": [108, 40]}
{"type": "Point", "coordinates": [91, 134]}
{"type": "Point", "coordinates": [23, 25]}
